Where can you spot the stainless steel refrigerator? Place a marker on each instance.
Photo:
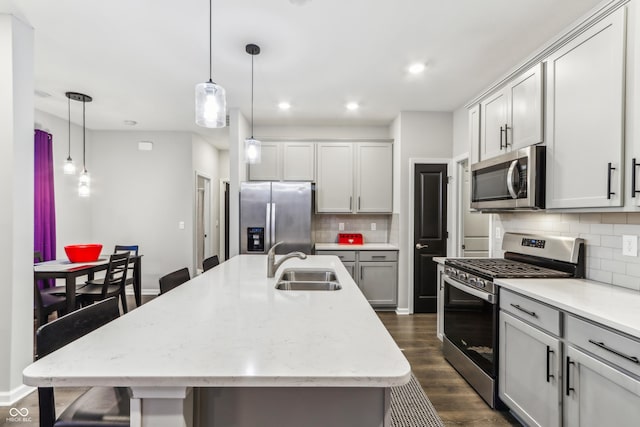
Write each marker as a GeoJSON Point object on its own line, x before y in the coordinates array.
{"type": "Point", "coordinates": [271, 212]}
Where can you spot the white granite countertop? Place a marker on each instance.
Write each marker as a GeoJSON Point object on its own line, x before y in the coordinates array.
{"type": "Point", "coordinates": [231, 327]}
{"type": "Point", "coordinates": [363, 247]}
{"type": "Point", "coordinates": [612, 306]}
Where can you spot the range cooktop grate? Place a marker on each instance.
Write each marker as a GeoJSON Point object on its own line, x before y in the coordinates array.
{"type": "Point", "coordinates": [504, 268]}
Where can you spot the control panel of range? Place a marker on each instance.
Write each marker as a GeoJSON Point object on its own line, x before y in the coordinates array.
{"type": "Point", "coordinates": [470, 279]}
{"type": "Point", "coordinates": [533, 243]}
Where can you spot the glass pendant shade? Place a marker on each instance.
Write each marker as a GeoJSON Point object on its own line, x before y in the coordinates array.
{"type": "Point", "coordinates": [69, 167]}
{"type": "Point", "coordinates": [84, 182]}
{"type": "Point", "coordinates": [211, 105]}
{"type": "Point", "coordinates": [252, 150]}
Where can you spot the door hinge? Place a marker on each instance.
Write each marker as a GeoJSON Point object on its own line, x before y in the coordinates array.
{"type": "Point", "coordinates": [449, 179]}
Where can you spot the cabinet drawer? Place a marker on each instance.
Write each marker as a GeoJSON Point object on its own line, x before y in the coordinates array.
{"type": "Point", "coordinates": [536, 313]}
{"type": "Point", "coordinates": [608, 345]}
{"type": "Point", "coordinates": [378, 255]}
{"type": "Point", "coordinates": [343, 255]}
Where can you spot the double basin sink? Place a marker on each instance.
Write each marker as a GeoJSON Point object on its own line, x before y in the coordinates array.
{"type": "Point", "coordinates": [308, 280]}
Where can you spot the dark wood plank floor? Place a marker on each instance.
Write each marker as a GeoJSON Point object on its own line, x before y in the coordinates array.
{"type": "Point", "coordinates": [456, 402]}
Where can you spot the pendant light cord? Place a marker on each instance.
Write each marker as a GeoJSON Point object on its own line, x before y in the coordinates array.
{"type": "Point", "coordinates": [69, 123]}
{"type": "Point", "coordinates": [210, 41]}
{"type": "Point", "coordinates": [84, 150]}
{"type": "Point", "coordinates": [252, 96]}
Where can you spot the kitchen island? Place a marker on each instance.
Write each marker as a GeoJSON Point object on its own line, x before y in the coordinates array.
{"type": "Point", "coordinates": [227, 348]}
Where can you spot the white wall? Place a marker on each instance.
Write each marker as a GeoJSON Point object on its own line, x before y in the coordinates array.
{"type": "Point", "coordinates": [460, 132]}
{"type": "Point", "coordinates": [424, 135]}
{"type": "Point", "coordinates": [223, 164]}
{"type": "Point", "coordinates": [206, 161]}
{"type": "Point", "coordinates": [16, 214]}
{"type": "Point", "coordinates": [139, 197]}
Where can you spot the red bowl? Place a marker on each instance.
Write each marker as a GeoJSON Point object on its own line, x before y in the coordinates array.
{"type": "Point", "coordinates": [83, 253]}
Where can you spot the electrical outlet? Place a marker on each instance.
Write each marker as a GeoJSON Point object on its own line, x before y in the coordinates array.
{"type": "Point", "coordinates": [181, 225]}
{"type": "Point", "coordinates": [629, 245]}
{"type": "Point", "coordinates": [341, 226]}
{"type": "Point", "coordinates": [373, 226]}
{"type": "Point", "coordinates": [498, 233]}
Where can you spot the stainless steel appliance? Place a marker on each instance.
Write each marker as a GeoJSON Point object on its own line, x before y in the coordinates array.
{"type": "Point", "coordinates": [271, 212]}
{"type": "Point", "coordinates": [515, 180]}
{"type": "Point", "coordinates": [471, 300]}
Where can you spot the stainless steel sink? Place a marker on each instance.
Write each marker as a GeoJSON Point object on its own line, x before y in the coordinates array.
{"type": "Point", "coordinates": [299, 285]}
{"type": "Point", "coordinates": [295, 275]}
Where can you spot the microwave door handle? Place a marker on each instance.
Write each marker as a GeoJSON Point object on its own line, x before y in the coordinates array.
{"type": "Point", "coordinates": [510, 176]}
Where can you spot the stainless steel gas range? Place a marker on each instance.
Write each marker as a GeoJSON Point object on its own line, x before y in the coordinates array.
{"type": "Point", "coordinates": [471, 300]}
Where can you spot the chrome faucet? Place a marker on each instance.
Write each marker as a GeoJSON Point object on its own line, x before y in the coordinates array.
{"type": "Point", "coordinates": [272, 265]}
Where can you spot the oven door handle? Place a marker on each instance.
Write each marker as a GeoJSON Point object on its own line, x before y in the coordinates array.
{"type": "Point", "coordinates": [490, 298]}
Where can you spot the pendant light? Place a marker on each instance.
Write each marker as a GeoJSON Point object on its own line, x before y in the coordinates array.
{"type": "Point", "coordinates": [69, 167]}
{"type": "Point", "coordinates": [252, 147]}
{"type": "Point", "coordinates": [84, 182]}
{"type": "Point", "coordinates": [211, 102]}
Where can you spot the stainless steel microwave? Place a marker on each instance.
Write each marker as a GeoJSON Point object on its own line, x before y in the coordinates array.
{"type": "Point", "coordinates": [514, 180]}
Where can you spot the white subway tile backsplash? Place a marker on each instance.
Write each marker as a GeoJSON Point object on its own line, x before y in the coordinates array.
{"type": "Point", "coordinates": [603, 240]}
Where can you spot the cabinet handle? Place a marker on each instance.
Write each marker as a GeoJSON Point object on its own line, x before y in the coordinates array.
{"type": "Point", "coordinates": [379, 256]}
{"type": "Point", "coordinates": [634, 165]}
{"type": "Point", "coordinates": [614, 351]}
{"type": "Point", "coordinates": [609, 171]}
{"type": "Point", "coordinates": [358, 202]}
{"type": "Point", "coordinates": [501, 131]}
{"type": "Point", "coordinates": [568, 388]}
{"type": "Point", "coordinates": [549, 374]}
{"type": "Point", "coordinates": [350, 202]}
{"type": "Point", "coordinates": [506, 135]}
{"type": "Point", "coordinates": [361, 273]}
{"type": "Point", "coordinates": [530, 313]}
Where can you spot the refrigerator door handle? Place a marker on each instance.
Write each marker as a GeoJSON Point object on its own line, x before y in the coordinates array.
{"type": "Point", "coordinates": [273, 223]}
{"type": "Point", "coordinates": [267, 233]}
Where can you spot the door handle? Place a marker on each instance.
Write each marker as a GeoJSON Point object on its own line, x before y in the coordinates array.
{"type": "Point", "coordinates": [421, 246]}
{"type": "Point", "coordinates": [510, 177]}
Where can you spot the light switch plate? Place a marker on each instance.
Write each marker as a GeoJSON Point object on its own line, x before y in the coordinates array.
{"type": "Point", "coordinates": [181, 225]}
{"type": "Point", "coordinates": [498, 233]}
{"type": "Point", "coordinates": [629, 245]}
{"type": "Point", "coordinates": [373, 226]}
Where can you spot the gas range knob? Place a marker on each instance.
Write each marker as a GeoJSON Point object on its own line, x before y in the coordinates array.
{"type": "Point", "coordinates": [481, 283]}
{"type": "Point", "coordinates": [463, 276]}
{"type": "Point", "coordinates": [449, 271]}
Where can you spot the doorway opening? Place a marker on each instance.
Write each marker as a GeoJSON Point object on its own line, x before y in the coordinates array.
{"type": "Point", "coordinates": [203, 221]}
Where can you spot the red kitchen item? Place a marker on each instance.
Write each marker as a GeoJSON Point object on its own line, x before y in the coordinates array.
{"type": "Point", "coordinates": [350, 239]}
{"type": "Point", "coordinates": [83, 253]}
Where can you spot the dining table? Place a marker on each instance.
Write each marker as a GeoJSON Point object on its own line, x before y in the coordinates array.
{"type": "Point", "coordinates": [70, 271]}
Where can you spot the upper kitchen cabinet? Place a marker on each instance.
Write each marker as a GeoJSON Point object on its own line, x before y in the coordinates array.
{"type": "Point", "coordinates": [354, 177]}
{"type": "Point", "coordinates": [511, 118]}
{"type": "Point", "coordinates": [585, 117]}
{"type": "Point", "coordinates": [285, 161]}
{"type": "Point", "coordinates": [374, 177]}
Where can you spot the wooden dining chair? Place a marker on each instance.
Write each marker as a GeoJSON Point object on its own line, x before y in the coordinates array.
{"type": "Point", "coordinates": [98, 406]}
{"type": "Point", "coordinates": [210, 262]}
{"type": "Point", "coordinates": [173, 280]}
{"type": "Point", "coordinates": [132, 250]}
{"type": "Point", "coordinates": [111, 285]}
{"type": "Point", "coordinates": [45, 303]}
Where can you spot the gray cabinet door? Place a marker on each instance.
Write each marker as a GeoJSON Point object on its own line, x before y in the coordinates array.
{"type": "Point", "coordinates": [529, 372]}
{"type": "Point", "coordinates": [374, 178]}
{"type": "Point", "coordinates": [599, 395]}
{"type": "Point", "coordinates": [379, 282]}
{"type": "Point", "coordinates": [334, 189]}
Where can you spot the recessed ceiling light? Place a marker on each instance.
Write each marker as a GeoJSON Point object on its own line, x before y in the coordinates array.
{"type": "Point", "coordinates": [352, 106]}
{"type": "Point", "coordinates": [416, 68]}
{"type": "Point", "coordinates": [130, 122]}
{"type": "Point", "coordinates": [284, 105]}
{"type": "Point", "coordinates": [42, 94]}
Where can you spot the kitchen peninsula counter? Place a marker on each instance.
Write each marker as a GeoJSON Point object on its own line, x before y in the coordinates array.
{"type": "Point", "coordinates": [230, 335]}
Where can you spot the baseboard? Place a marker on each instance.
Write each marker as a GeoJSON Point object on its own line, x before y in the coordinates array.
{"type": "Point", "coordinates": [402, 311]}
{"type": "Point", "coordinates": [8, 398]}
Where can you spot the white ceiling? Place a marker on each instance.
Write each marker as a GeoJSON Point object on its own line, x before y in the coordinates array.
{"type": "Point", "coordinates": [140, 59]}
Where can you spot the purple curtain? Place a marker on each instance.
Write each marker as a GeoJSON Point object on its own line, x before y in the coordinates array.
{"type": "Point", "coordinates": [44, 197]}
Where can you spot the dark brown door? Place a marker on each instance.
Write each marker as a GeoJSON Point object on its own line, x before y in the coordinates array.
{"type": "Point", "coordinates": [430, 233]}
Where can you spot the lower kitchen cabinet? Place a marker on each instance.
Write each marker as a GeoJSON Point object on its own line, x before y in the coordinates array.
{"type": "Point", "coordinates": [597, 394]}
{"type": "Point", "coordinates": [375, 273]}
{"type": "Point", "coordinates": [529, 372]}
{"type": "Point", "coordinates": [581, 374]}
{"type": "Point", "coordinates": [379, 282]}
